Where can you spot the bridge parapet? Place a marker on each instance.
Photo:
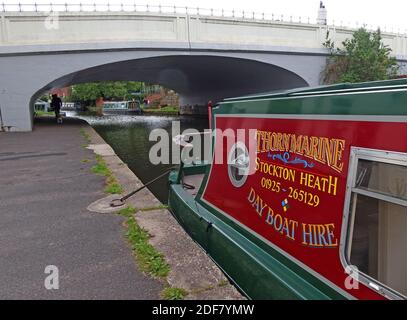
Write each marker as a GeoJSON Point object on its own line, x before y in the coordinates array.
{"type": "Point", "coordinates": [22, 25]}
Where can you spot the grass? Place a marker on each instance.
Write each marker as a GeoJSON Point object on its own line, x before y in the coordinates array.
{"type": "Point", "coordinates": [172, 293]}
{"type": "Point", "coordinates": [149, 259]}
{"type": "Point", "coordinates": [85, 135]}
{"type": "Point", "coordinates": [165, 110]}
{"type": "Point", "coordinates": [112, 186]}
{"type": "Point", "coordinates": [223, 283]}
{"type": "Point", "coordinates": [100, 167]}
{"type": "Point", "coordinates": [44, 113]}
{"type": "Point", "coordinates": [152, 208]}
{"type": "Point", "coordinates": [127, 212]}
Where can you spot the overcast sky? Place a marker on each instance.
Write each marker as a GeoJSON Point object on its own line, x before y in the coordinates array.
{"type": "Point", "coordinates": [391, 14]}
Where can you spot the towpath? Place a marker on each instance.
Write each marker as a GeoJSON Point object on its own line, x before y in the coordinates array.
{"type": "Point", "coordinates": [45, 186]}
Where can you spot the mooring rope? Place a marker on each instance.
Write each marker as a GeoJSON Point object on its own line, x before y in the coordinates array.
{"type": "Point", "coordinates": [130, 194]}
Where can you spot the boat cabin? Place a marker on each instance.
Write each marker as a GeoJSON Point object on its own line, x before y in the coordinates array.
{"type": "Point", "coordinates": [305, 194]}
{"type": "Point", "coordinates": [121, 107]}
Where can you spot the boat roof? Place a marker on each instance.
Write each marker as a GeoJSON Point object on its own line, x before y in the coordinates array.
{"type": "Point", "coordinates": [328, 89]}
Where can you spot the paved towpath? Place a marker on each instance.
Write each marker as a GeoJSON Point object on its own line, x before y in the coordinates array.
{"type": "Point", "coordinates": [45, 186]}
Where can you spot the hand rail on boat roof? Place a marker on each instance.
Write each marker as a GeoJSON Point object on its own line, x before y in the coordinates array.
{"type": "Point", "coordinates": [327, 89]}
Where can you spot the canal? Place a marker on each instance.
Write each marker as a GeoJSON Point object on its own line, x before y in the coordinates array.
{"type": "Point", "coordinates": [129, 137]}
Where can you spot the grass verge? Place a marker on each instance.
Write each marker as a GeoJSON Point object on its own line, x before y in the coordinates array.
{"type": "Point", "coordinates": [44, 113]}
{"type": "Point", "coordinates": [152, 208]}
{"type": "Point", "coordinates": [112, 186]}
{"type": "Point", "coordinates": [85, 135]}
{"type": "Point", "coordinates": [172, 293]}
{"type": "Point", "coordinates": [164, 110]}
{"type": "Point", "coordinates": [149, 259]}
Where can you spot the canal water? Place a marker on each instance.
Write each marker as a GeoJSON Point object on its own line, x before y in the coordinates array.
{"type": "Point", "coordinates": [129, 137]}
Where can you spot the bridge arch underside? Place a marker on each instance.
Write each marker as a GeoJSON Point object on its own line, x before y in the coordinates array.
{"type": "Point", "coordinates": [198, 79]}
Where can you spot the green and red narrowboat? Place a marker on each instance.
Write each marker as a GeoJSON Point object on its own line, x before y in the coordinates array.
{"type": "Point", "coordinates": [319, 209]}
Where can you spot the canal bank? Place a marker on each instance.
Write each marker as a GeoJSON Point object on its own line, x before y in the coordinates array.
{"type": "Point", "coordinates": [191, 271]}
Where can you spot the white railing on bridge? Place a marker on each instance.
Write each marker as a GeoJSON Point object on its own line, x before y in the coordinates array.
{"type": "Point", "coordinates": [204, 12]}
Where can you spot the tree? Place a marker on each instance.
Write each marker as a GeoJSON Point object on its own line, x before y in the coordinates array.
{"type": "Point", "coordinates": [109, 90]}
{"type": "Point", "coordinates": [363, 58]}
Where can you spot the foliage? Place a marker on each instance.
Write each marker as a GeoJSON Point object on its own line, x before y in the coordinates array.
{"type": "Point", "coordinates": [149, 259]}
{"type": "Point", "coordinates": [44, 113]}
{"type": "Point", "coordinates": [172, 293]}
{"type": "Point", "coordinates": [109, 90]}
{"type": "Point", "coordinates": [112, 186]}
{"type": "Point", "coordinates": [169, 110]}
{"type": "Point", "coordinates": [127, 211]}
{"type": "Point", "coordinates": [44, 98]}
{"type": "Point", "coordinates": [101, 169]}
{"type": "Point", "coordinates": [364, 57]}
{"type": "Point", "coordinates": [85, 134]}
{"type": "Point", "coordinates": [152, 208]}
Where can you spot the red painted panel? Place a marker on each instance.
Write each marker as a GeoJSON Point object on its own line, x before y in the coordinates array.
{"type": "Point", "coordinates": [314, 191]}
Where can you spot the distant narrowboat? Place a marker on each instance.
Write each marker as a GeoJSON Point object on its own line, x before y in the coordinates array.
{"type": "Point", "coordinates": [319, 209]}
{"type": "Point", "coordinates": [121, 107]}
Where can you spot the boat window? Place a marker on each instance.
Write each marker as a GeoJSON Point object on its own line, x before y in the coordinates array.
{"type": "Point", "coordinates": [377, 225]}
{"type": "Point", "coordinates": [370, 177]}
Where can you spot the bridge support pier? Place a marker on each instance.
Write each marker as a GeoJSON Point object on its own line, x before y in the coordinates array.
{"type": "Point", "coordinates": [20, 79]}
{"type": "Point", "coordinates": [15, 112]}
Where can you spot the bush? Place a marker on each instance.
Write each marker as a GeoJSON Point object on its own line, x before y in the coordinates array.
{"type": "Point", "coordinates": [363, 58]}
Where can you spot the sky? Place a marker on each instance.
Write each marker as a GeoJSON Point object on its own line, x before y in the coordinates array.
{"type": "Point", "coordinates": [390, 15]}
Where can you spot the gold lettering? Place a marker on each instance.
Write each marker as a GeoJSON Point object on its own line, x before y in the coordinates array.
{"type": "Point", "coordinates": [324, 150]}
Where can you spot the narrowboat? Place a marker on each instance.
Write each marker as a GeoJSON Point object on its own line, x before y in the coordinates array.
{"type": "Point", "coordinates": [121, 107]}
{"type": "Point", "coordinates": [42, 106]}
{"type": "Point", "coordinates": [305, 196]}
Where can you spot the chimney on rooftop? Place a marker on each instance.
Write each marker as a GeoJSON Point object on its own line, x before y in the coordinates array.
{"type": "Point", "coordinates": [321, 14]}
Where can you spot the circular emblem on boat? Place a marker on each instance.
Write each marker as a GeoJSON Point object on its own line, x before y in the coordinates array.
{"type": "Point", "coordinates": [238, 164]}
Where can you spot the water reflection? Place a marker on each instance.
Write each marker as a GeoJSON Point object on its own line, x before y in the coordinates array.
{"type": "Point", "coordinates": [128, 136]}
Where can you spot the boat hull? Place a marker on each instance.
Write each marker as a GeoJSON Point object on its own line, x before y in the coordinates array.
{"type": "Point", "coordinates": [122, 112]}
